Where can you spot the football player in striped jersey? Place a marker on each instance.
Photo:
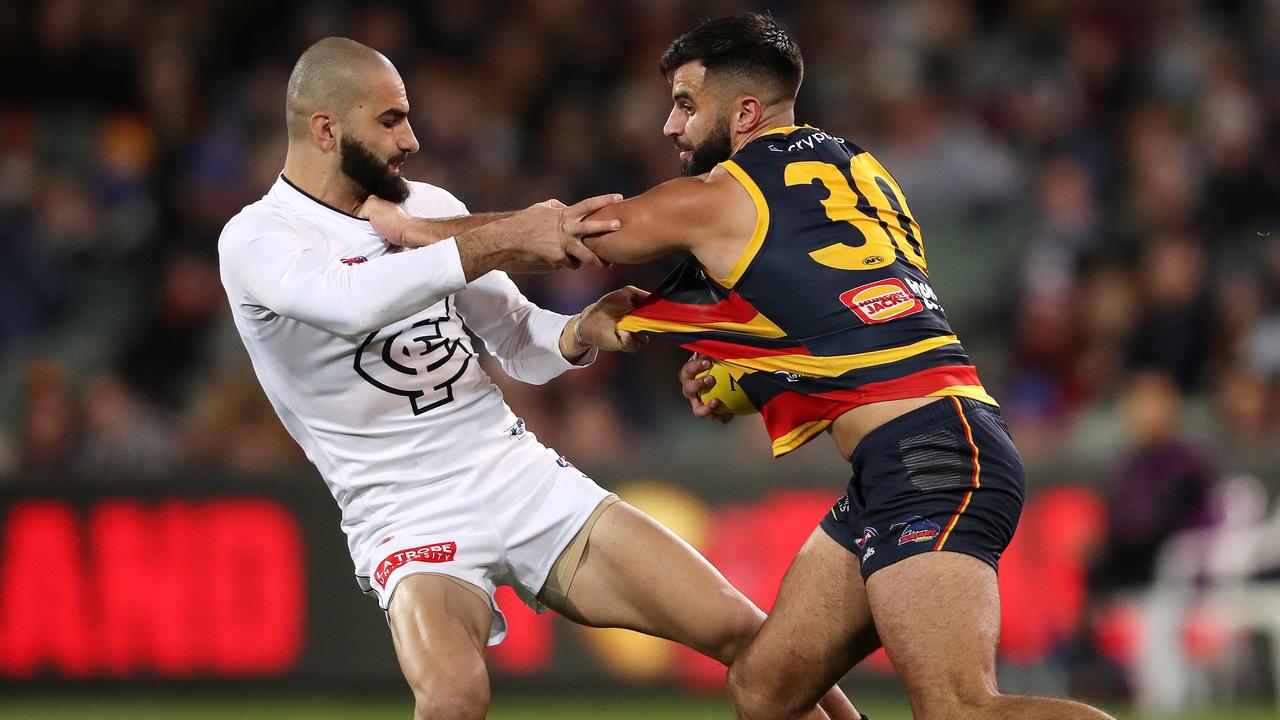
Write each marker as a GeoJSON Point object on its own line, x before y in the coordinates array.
{"type": "Point", "coordinates": [806, 278]}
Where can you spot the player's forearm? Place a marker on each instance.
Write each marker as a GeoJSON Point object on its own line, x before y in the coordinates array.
{"type": "Point", "coordinates": [543, 347]}
{"type": "Point", "coordinates": [523, 337]}
{"type": "Point", "coordinates": [571, 345]}
{"type": "Point", "coordinates": [485, 248]}
{"type": "Point", "coordinates": [420, 232]}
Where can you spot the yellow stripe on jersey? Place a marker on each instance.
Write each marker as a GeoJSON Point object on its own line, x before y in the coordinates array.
{"type": "Point", "coordinates": [837, 365]}
{"type": "Point", "coordinates": [798, 436]}
{"type": "Point", "coordinates": [784, 130]}
{"type": "Point", "coordinates": [762, 224]}
{"type": "Point", "coordinates": [759, 326]}
{"type": "Point", "coordinates": [973, 392]}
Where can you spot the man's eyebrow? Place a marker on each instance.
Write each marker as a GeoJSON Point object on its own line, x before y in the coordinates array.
{"type": "Point", "coordinates": [682, 95]}
{"type": "Point", "coordinates": [396, 113]}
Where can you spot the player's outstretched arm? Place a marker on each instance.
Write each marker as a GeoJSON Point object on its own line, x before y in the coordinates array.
{"type": "Point", "coordinates": [547, 236]}
{"type": "Point", "coordinates": [704, 215]}
{"type": "Point", "coordinates": [666, 219]}
{"type": "Point", "coordinates": [277, 267]}
{"type": "Point", "coordinates": [400, 228]}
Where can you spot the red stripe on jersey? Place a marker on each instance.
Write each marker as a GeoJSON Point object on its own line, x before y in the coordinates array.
{"type": "Point", "coordinates": [917, 384]}
{"type": "Point", "coordinates": [732, 309]}
{"type": "Point", "coordinates": [786, 411]}
{"type": "Point", "coordinates": [728, 351]}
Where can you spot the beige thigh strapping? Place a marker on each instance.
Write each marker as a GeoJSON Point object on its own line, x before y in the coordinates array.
{"type": "Point", "coordinates": [555, 592]}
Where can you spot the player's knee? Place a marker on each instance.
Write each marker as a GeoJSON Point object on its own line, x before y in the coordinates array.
{"type": "Point", "coordinates": [741, 626]}
{"type": "Point", "coordinates": [753, 693]}
{"type": "Point", "coordinates": [959, 701]}
{"type": "Point", "coordinates": [749, 700]}
{"type": "Point", "coordinates": [452, 704]}
{"type": "Point", "coordinates": [462, 695]}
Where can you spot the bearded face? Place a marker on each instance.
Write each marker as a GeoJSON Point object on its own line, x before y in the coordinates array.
{"type": "Point", "coordinates": [712, 150]}
{"type": "Point", "coordinates": [374, 176]}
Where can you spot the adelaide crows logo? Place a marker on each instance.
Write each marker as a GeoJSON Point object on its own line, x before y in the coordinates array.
{"type": "Point", "coordinates": [916, 529]}
{"type": "Point", "coordinates": [422, 359]}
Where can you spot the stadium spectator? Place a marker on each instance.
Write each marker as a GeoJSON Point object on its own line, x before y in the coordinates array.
{"type": "Point", "coordinates": [1161, 484]}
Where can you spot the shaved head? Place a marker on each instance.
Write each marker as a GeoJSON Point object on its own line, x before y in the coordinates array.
{"type": "Point", "coordinates": [348, 119]}
{"type": "Point", "coordinates": [332, 75]}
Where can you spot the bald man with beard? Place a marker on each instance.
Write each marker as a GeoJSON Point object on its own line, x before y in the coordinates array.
{"type": "Point", "coordinates": [358, 333]}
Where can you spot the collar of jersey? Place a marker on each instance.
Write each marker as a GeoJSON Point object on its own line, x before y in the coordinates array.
{"type": "Point", "coordinates": [315, 201]}
{"type": "Point", "coordinates": [786, 130]}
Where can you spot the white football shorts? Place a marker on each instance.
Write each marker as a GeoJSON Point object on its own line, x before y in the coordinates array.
{"type": "Point", "coordinates": [487, 533]}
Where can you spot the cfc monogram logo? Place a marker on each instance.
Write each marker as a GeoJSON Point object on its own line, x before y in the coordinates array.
{"type": "Point", "coordinates": [418, 362]}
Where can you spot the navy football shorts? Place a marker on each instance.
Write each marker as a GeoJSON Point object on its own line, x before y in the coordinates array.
{"type": "Point", "coordinates": [943, 477]}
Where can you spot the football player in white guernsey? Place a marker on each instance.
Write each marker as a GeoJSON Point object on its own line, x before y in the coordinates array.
{"type": "Point", "coordinates": [358, 333]}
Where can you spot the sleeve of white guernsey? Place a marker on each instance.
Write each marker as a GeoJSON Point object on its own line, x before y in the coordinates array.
{"type": "Point", "coordinates": [524, 337]}
{"type": "Point", "coordinates": [281, 272]}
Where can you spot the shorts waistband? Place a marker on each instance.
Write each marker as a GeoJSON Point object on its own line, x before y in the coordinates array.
{"type": "Point", "coordinates": [916, 421]}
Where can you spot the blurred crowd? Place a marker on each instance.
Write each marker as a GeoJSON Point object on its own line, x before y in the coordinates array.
{"type": "Point", "coordinates": [1097, 183]}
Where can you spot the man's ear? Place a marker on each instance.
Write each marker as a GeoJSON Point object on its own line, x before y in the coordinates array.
{"type": "Point", "coordinates": [324, 131]}
{"type": "Point", "coordinates": [748, 115]}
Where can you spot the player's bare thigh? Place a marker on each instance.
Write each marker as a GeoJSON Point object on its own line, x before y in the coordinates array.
{"type": "Point", "coordinates": [819, 627]}
{"type": "Point", "coordinates": [637, 574]}
{"type": "Point", "coordinates": [938, 614]}
{"type": "Point", "coordinates": [440, 626]}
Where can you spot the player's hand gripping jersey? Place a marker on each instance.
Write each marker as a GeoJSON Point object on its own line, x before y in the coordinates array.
{"type": "Point", "coordinates": [829, 307]}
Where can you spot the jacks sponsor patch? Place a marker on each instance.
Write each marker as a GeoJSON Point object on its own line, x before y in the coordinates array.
{"type": "Point", "coordinates": [433, 553]}
{"type": "Point", "coordinates": [881, 301]}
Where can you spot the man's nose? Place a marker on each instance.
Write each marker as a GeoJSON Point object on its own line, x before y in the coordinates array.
{"type": "Point", "coordinates": [674, 127]}
{"type": "Point", "coordinates": [408, 141]}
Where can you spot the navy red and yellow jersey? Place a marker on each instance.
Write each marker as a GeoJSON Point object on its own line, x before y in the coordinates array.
{"type": "Point", "coordinates": [830, 306]}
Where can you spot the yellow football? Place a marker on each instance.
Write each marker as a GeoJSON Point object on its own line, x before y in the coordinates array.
{"type": "Point", "coordinates": [733, 401]}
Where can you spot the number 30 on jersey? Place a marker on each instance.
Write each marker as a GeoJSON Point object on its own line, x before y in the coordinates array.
{"type": "Point", "coordinates": [865, 204]}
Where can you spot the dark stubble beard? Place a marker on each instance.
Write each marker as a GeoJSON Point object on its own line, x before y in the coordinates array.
{"type": "Point", "coordinates": [711, 152]}
{"type": "Point", "coordinates": [372, 175]}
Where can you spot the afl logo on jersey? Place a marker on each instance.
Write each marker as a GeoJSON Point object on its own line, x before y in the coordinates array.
{"type": "Point", "coordinates": [881, 301]}
{"type": "Point", "coordinates": [420, 362]}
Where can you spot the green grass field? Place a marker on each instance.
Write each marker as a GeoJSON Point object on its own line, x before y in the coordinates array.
{"type": "Point", "coordinates": [347, 707]}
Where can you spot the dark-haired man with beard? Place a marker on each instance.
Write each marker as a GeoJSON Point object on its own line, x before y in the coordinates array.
{"type": "Point", "coordinates": [807, 281]}
{"type": "Point", "coordinates": [356, 315]}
